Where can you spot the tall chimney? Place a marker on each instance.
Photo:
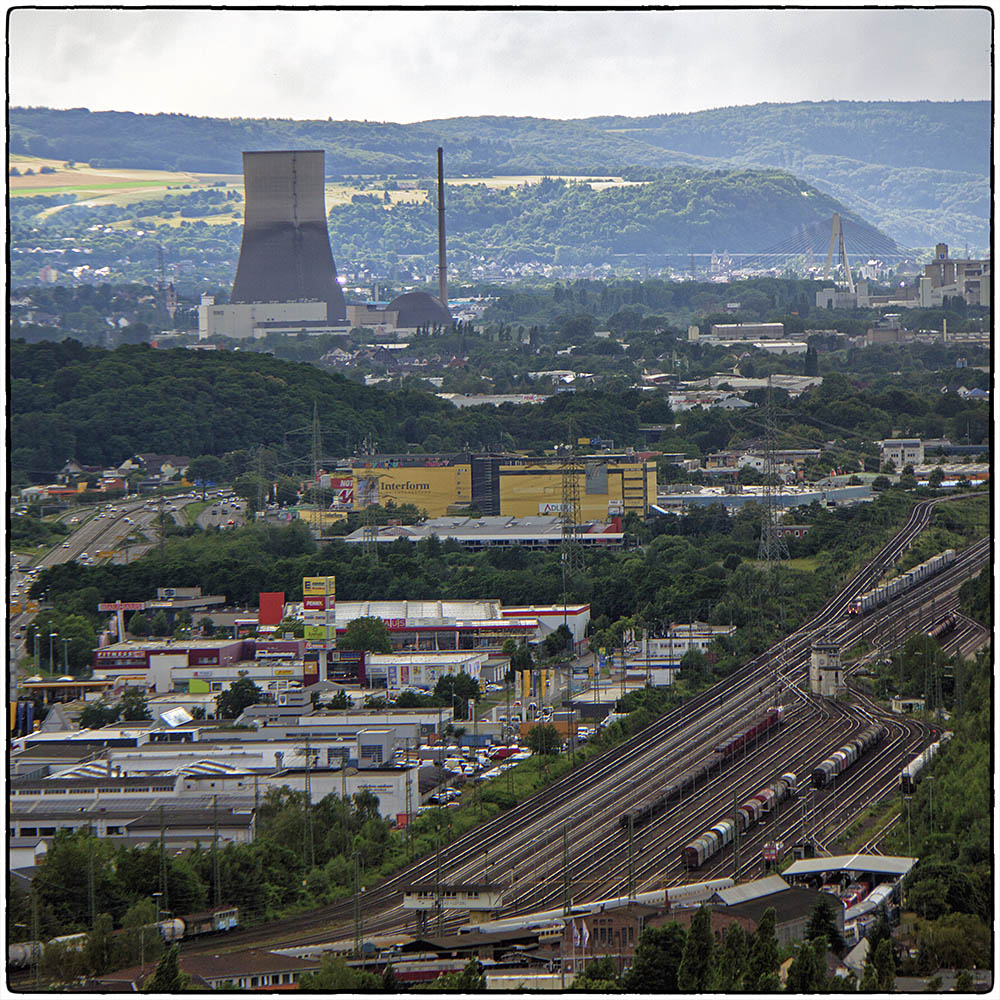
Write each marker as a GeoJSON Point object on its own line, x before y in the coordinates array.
{"type": "Point", "coordinates": [442, 270]}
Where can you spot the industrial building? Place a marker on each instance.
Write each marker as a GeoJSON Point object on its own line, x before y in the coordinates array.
{"type": "Point", "coordinates": [541, 532]}
{"type": "Point", "coordinates": [286, 279]}
{"type": "Point", "coordinates": [679, 498]}
{"type": "Point", "coordinates": [951, 277]}
{"type": "Point", "coordinates": [747, 331]}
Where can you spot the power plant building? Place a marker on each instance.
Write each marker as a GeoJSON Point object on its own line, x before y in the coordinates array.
{"type": "Point", "coordinates": [286, 279]}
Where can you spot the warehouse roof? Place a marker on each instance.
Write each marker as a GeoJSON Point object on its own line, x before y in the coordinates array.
{"type": "Point", "coordinates": [880, 863]}
{"type": "Point", "coordinates": [751, 890]}
{"type": "Point", "coordinates": [789, 904]}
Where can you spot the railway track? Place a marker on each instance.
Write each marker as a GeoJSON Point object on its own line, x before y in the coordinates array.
{"type": "Point", "coordinates": [590, 798]}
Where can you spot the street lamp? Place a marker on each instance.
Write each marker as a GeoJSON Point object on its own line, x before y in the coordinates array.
{"type": "Point", "coordinates": [52, 635]}
{"type": "Point", "coordinates": [66, 655]}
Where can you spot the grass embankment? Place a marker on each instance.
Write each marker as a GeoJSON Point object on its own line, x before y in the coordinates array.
{"type": "Point", "coordinates": [193, 509]}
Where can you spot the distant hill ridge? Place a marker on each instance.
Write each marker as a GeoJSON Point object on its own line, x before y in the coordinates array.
{"type": "Point", "coordinates": [918, 170]}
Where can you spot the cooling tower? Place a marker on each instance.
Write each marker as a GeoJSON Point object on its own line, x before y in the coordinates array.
{"type": "Point", "coordinates": [285, 255]}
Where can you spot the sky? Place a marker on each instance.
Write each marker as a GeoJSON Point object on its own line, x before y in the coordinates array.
{"type": "Point", "coordinates": [414, 65]}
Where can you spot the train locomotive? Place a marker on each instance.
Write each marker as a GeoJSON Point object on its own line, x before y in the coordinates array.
{"type": "Point", "coordinates": [690, 779]}
{"type": "Point", "coordinates": [910, 774]}
{"type": "Point", "coordinates": [844, 758]}
{"type": "Point", "coordinates": [897, 585]}
{"type": "Point", "coordinates": [719, 836]}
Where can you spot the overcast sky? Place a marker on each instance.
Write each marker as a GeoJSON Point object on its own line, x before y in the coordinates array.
{"type": "Point", "coordinates": [414, 65]}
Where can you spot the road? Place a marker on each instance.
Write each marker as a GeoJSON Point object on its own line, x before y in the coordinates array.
{"type": "Point", "coordinates": [105, 527]}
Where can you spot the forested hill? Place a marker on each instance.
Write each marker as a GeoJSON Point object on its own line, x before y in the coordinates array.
{"type": "Point", "coordinates": [100, 407]}
{"type": "Point", "coordinates": [918, 170]}
{"type": "Point", "coordinates": [681, 210]}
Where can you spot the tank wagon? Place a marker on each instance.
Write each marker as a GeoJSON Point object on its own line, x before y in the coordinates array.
{"type": "Point", "coordinates": [851, 752]}
{"type": "Point", "coordinates": [899, 584]}
{"type": "Point", "coordinates": [910, 774]}
{"type": "Point", "coordinates": [719, 836]}
{"type": "Point", "coordinates": [690, 779]}
{"type": "Point", "coordinates": [943, 627]}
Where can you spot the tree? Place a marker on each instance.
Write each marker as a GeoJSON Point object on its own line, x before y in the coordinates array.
{"type": "Point", "coordinates": [368, 634]}
{"type": "Point", "coordinates": [762, 962]}
{"type": "Point", "coordinates": [598, 975]}
{"type": "Point", "coordinates": [241, 694]}
{"type": "Point", "coordinates": [880, 483]}
{"type": "Point", "coordinates": [159, 625]}
{"type": "Point", "coordinates": [134, 707]}
{"type": "Point", "coordinates": [206, 469]}
{"type": "Point", "coordinates": [807, 973]}
{"type": "Point", "coordinates": [810, 364]}
{"type": "Point", "coordinates": [339, 700]}
{"type": "Point", "coordinates": [334, 974]}
{"type": "Point", "coordinates": [658, 956]}
{"type": "Point", "coordinates": [138, 624]}
{"type": "Point", "coordinates": [140, 940]}
{"type": "Point", "coordinates": [522, 658]}
{"type": "Point", "coordinates": [457, 690]}
{"type": "Point", "coordinates": [206, 627]}
{"type": "Point", "coordinates": [732, 960]}
{"type": "Point", "coordinates": [544, 739]}
{"type": "Point", "coordinates": [96, 714]}
{"type": "Point", "coordinates": [964, 982]}
{"type": "Point", "coordinates": [936, 478]}
{"type": "Point", "coordinates": [292, 626]}
{"type": "Point", "coordinates": [100, 944]}
{"type": "Point", "coordinates": [822, 924]}
{"type": "Point", "coordinates": [168, 977]}
{"type": "Point", "coordinates": [696, 965]}
{"type": "Point", "coordinates": [885, 966]}
{"type": "Point", "coordinates": [694, 664]}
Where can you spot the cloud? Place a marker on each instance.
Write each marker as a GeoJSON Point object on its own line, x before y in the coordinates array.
{"type": "Point", "coordinates": [409, 65]}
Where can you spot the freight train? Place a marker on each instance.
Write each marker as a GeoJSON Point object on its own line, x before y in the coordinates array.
{"type": "Point", "coordinates": [943, 627]}
{"type": "Point", "coordinates": [714, 840]}
{"type": "Point", "coordinates": [899, 584]}
{"type": "Point", "coordinates": [910, 774]}
{"type": "Point", "coordinates": [851, 752]}
{"type": "Point", "coordinates": [22, 953]}
{"type": "Point", "coordinates": [690, 779]}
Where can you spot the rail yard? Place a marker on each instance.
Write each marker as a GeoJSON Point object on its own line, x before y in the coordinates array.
{"type": "Point", "coordinates": [567, 843]}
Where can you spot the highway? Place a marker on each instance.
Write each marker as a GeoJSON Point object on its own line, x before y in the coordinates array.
{"type": "Point", "coordinates": [103, 527]}
{"type": "Point", "coordinates": [524, 847]}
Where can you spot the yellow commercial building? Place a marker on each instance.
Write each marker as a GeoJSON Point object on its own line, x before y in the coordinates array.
{"type": "Point", "coordinates": [605, 488]}
{"type": "Point", "coordinates": [430, 488]}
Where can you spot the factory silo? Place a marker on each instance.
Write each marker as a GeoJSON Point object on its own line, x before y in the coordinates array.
{"type": "Point", "coordinates": [285, 255]}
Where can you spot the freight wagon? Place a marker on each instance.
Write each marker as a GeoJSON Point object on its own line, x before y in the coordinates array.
{"type": "Point", "coordinates": [20, 953]}
{"type": "Point", "coordinates": [844, 758]}
{"type": "Point", "coordinates": [712, 841]}
{"type": "Point", "coordinates": [910, 774]}
{"type": "Point", "coordinates": [690, 779]}
{"type": "Point", "coordinates": [897, 585]}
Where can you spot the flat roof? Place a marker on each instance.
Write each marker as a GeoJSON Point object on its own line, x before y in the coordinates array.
{"type": "Point", "coordinates": [882, 863]}
{"type": "Point", "coordinates": [167, 644]}
{"type": "Point", "coordinates": [429, 656]}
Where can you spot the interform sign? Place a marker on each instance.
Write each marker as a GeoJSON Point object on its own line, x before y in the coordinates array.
{"type": "Point", "coordinates": [122, 606]}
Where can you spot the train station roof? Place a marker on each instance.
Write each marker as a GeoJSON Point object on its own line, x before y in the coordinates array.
{"type": "Point", "coordinates": [882, 864]}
